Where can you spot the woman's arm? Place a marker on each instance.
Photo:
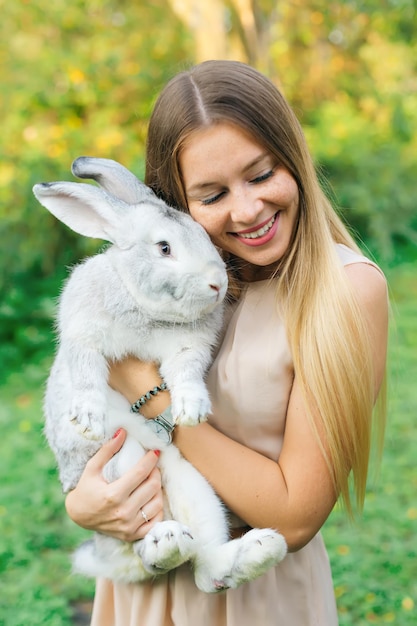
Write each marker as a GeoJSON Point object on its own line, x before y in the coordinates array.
{"type": "Point", "coordinates": [295, 495]}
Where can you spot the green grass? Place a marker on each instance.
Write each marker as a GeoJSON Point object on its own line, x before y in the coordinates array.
{"type": "Point", "coordinates": [36, 536]}
{"type": "Point", "coordinates": [374, 561]}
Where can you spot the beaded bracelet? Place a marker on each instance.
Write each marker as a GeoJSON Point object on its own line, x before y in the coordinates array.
{"type": "Point", "coordinates": [135, 408]}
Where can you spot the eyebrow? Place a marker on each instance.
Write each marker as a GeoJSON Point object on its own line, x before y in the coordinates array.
{"type": "Point", "coordinates": [207, 185]}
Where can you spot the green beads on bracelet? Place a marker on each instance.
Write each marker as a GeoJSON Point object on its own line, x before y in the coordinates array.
{"type": "Point", "coordinates": [135, 408]}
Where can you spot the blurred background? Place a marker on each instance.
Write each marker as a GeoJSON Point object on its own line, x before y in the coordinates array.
{"type": "Point", "coordinates": [80, 78]}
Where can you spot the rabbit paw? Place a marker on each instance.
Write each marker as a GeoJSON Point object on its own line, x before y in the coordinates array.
{"type": "Point", "coordinates": [89, 420]}
{"type": "Point", "coordinates": [229, 565]}
{"type": "Point", "coordinates": [166, 546]}
{"type": "Point", "coordinates": [259, 550]}
{"type": "Point", "coordinates": [191, 406]}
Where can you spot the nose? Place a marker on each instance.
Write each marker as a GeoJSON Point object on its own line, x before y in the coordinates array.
{"type": "Point", "coordinates": [246, 206]}
{"type": "Point", "coordinates": [217, 278]}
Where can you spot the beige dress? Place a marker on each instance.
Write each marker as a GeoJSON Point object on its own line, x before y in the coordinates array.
{"type": "Point", "coordinates": [250, 383]}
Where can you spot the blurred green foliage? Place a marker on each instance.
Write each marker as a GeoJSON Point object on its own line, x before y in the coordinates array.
{"type": "Point", "coordinates": [76, 78]}
{"type": "Point", "coordinates": [36, 535]}
{"type": "Point", "coordinates": [81, 78]}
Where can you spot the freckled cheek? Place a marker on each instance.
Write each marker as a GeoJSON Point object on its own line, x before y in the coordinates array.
{"type": "Point", "coordinates": [284, 192]}
{"type": "Point", "coordinates": [291, 191]}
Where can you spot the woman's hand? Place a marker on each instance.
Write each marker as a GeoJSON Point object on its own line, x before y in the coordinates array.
{"type": "Point", "coordinates": [116, 508]}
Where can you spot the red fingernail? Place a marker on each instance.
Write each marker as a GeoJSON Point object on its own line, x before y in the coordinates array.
{"type": "Point", "coordinates": [117, 433]}
{"type": "Point", "coordinates": [157, 452]}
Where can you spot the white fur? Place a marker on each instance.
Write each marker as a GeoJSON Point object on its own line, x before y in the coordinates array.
{"type": "Point", "coordinates": [134, 299]}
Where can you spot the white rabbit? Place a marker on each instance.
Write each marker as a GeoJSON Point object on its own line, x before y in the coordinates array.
{"type": "Point", "coordinates": [157, 294]}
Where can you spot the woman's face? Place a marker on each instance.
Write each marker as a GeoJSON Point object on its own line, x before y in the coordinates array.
{"type": "Point", "coordinates": [240, 194]}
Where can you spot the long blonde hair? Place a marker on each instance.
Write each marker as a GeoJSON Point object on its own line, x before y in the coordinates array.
{"type": "Point", "coordinates": [326, 331]}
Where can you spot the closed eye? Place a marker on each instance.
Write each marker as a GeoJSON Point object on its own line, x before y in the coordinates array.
{"type": "Point", "coordinates": [262, 177]}
{"type": "Point", "coordinates": [255, 181]}
{"type": "Point", "coordinates": [213, 199]}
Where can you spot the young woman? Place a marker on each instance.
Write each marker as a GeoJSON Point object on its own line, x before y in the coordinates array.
{"type": "Point", "coordinates": [298, 371]}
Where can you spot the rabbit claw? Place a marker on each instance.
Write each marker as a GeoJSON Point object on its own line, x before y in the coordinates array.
{"type": "Point", "coordinates": [88, 433]}
{"type": "Point", "coordinates": [88, 427]}
{"type": "Point", "coordinates": [185, 419]}
{"type": "Point", "coordinates": [189, 410]}
{"type": "Point", "coordinates": [166, 546]}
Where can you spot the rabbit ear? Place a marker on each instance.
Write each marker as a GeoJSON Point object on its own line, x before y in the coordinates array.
{"type": "Point", "coordinates": [113, 177]}
{"type": "Point", "coordinates": [86, 209]}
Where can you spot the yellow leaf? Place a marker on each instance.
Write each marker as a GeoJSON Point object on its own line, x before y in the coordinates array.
{"type": "Point", "coordinates": [340, 591]}
{"type": "Point", "coordinates": [7, 174]}
{"type": "Point", "coordinates": [412, 513]}
{"type": "Point", "coordinates": [407, 603]}
{"type": "Point", "coordinates": [76, 76]}
{"type": "Point", "coordinates": [25, 426]}
{"type": "Point", "coordinates": [316, 17]}
{"type": "Point", "coordinates": [109, 139]}
{"type": "Point", "coordinates": [370, 597]}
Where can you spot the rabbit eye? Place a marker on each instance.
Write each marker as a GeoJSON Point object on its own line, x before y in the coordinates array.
{"type": "Point", "coordinates": [164, 248]}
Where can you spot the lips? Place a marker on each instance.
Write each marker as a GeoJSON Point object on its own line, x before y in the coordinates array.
{"type": "Point", "coordinates": [259, 235]}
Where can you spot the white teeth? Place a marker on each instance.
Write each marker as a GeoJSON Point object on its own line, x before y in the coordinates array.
{"type": "Point", "coordinates": [258, 233]}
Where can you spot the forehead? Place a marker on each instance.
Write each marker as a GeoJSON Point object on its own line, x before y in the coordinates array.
{"type": "Point", "coordinates": [217, 149]}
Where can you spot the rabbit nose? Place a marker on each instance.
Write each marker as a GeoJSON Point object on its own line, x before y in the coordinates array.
{"type": "Point", "coordinates": [216, 278]}
{"type": "Point", "coordinates": [215, 287]}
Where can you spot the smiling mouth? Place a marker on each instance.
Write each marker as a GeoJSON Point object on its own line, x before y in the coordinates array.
{"type": "Point", "coordinates": [256, 234]}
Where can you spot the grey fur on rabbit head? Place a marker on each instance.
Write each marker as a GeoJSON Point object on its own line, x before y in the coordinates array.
{"type": "Point", "coordinates": [156, 293]}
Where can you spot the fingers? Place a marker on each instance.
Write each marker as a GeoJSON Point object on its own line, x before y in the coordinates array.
{"type": "Point", "coordinates": [144, 518]}
{"type": "Point", "coordinates": [107, 451]}
{"type": "Point", "coordinates": [139, 473]}
{"type": "Point", "coordinates": [153, 511]}
{"type": "Point", "coordinates": [116, 508]}
{"type": "Point", "coordinates": [136, 514]}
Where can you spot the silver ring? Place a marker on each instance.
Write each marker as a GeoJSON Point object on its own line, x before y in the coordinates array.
{"type": "Point", "coordinates": [145, 517]}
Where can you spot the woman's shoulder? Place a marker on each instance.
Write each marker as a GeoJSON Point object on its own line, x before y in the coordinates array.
{"type": "Point", "coordinates": [367, 280]}
{"type": "Point", "coordinates": [348, 256]}
{"type": "Point", "coordinates": [359, 267]}
{"type": "Point", "coordinates": [365, 275]}
{"type": "Point", "coordinates": [369, 285]}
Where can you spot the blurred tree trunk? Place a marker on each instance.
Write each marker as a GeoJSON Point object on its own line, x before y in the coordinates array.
{"type": "Point", "coordinates": [206, 21]}
{"type": "Point", "coordinates": [253, 21]}
{"type": "Point", "coordinates": [238, 29]}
